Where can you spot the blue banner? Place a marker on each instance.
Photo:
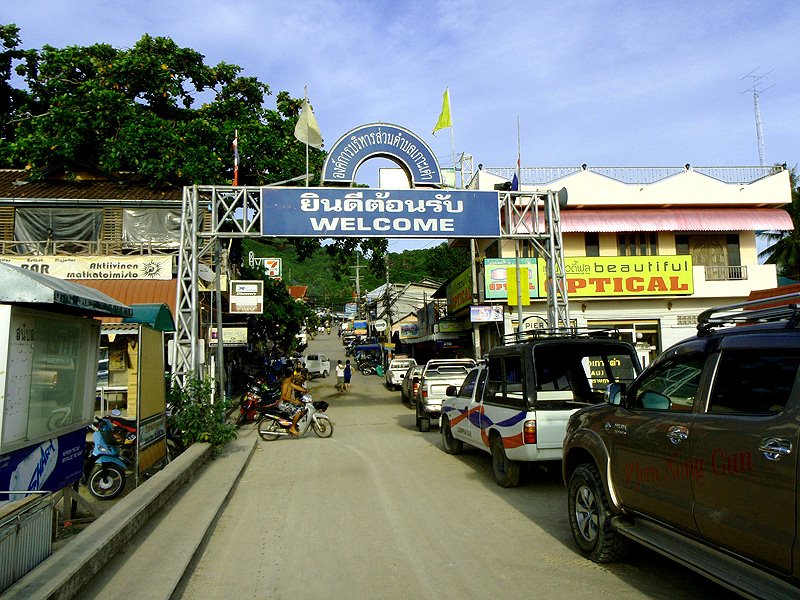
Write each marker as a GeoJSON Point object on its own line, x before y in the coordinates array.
{"type": "Point", "coordinates": [51, 465]}
{"type": "Point", "coordinates": [368, 213]}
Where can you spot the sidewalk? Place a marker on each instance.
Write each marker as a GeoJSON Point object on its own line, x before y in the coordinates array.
{"type": "Point", "coordinates": [149, 538]}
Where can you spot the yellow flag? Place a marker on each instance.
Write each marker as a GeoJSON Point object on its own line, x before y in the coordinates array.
{"type": "Point", "coordinates": [444, 119]}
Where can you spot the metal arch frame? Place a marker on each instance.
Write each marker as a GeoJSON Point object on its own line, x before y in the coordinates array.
{"type": "Point", "coordinates": [241, 208]}
{"type": "Point", "coordinates": [520, 214]}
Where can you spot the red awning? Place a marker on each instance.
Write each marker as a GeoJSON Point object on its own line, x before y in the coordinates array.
{"type": "Point", "coordinates": [669, 219]}
{"type": "Point", "coordinates": [135, 291]}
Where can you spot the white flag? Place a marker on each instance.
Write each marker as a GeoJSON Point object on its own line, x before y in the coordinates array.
{"type": "Point", "coordinates": [307, 130]}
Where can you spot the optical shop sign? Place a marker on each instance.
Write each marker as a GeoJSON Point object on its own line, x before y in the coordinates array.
{"type": "Point", "coordinates": [344, 212]}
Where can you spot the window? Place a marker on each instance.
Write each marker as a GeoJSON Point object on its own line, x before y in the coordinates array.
{"type": "Point", "coordinates": [592, 241]}
{"type": "Point", "coordinates": [505, 384]}
{"type": "Point", "coordinates": [637, 244]}
{"type": "Point", "coordinates": [671, 386]}
{"type": "Point", "coordinates": [469, 384]}
{"type": "Point", "coordinates": [750, 382]}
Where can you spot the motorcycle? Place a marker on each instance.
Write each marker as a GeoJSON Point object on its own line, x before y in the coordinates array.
{"type": "Point", "coordinates": [259, 395]}
{"type": "Point", "coordinates": [276, 423]}
{"type": "Point", "coordinates": [104, 469]}
{"type": "Point", "coordinates": [367, 366]}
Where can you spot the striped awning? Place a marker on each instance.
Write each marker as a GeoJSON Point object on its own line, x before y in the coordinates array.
{"type": "Point", "coordinates": [668, 219]}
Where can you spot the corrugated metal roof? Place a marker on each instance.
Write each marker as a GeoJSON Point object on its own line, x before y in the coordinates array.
{"type": "Point", "coordinates": [667, 219]}
{"type": "Point", "coordinates": [136, 291]}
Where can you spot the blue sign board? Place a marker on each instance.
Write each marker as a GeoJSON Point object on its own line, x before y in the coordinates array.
{"type": "Point", "coordinates": [369, 213]}
{"type": "Point", "coordinates": [381, 140]}
{"type": "Point", "coordinates": [50, 466]}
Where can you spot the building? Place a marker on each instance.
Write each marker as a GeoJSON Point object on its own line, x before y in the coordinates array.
{"type": "Point", "coordinates": [645, 250]}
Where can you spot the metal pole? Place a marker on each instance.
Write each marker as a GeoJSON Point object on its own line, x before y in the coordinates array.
{"type": "Point", "coordinates": [218, 318]}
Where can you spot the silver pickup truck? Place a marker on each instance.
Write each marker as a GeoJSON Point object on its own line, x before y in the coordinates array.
{"type": "Point", "coordinates": [437, 376]}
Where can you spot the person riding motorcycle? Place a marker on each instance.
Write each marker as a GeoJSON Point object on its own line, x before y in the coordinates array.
{"type": "Point", "coordinates": [290, 404]}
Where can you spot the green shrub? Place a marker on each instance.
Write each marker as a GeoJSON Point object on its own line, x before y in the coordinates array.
{"type": "Point", "coordinates": [196, 418]}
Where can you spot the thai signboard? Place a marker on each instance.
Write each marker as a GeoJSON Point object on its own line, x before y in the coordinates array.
{"type": "Point", "coordinates": [381, 140]}
{"type": "Point", "coordinates": [96, 267]}
{"type": "Point", "coordinates": [626, 276]}
{"type": "Point", "coordinates": [459, 291]}
{"type": "Point", "coordinates": [336, 212]}
{"type": "Point", "coordinates": [409, 330]}
{"type": "Point", "coordinates": [486, 313]}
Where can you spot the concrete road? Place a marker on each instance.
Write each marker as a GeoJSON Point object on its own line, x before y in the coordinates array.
{"type": "Point", "coordinates": [380, 511]}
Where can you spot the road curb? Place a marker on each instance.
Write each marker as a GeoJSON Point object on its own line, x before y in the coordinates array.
{"type": "Point", "coordinates": [63, 574]}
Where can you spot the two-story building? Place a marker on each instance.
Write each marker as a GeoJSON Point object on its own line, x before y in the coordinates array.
{"type": "Point", "coordinates": [645, 249]}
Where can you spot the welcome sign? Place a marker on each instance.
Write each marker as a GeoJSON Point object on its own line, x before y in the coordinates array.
{"type": "Point", "coordinates": [338, 212]}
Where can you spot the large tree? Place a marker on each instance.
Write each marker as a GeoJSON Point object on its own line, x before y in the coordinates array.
{"type": "Point", "coordinates": [156, 110]}
{"type": "Point", "coordinates": [784, 249]}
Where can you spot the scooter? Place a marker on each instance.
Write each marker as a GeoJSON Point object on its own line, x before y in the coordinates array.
{"type": "Point", "coordinates": [104, 469]}
{"type": "Point", "coordinates": [276, 423]}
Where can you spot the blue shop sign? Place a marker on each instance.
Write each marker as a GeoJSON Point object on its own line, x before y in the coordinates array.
{"type": "Point", "coordinates": [345, 212]}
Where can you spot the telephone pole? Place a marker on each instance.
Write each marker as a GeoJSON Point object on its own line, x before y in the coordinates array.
{"type": "Point", "coordinates": [358, 268]}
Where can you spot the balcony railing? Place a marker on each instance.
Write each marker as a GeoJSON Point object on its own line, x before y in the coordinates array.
{"type": "Point", "coordinates": [722, 273]}
{"type": "Point", "coordinates": [83, 248]}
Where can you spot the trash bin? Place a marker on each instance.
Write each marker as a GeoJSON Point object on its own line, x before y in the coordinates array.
{"type": "Point", "coordinates": [379, 370]}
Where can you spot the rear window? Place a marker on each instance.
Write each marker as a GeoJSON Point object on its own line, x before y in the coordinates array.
{"type": "Point", "coordinates": [401, 364]}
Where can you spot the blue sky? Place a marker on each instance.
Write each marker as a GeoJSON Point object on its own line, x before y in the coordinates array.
{"type": "Point", "coordinates": [606, 83]}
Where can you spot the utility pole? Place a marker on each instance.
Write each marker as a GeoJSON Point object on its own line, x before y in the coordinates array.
{"type": "Point", "coordinates": [388, 302]}
{"type": "Point", "coordinates": [358, 267]}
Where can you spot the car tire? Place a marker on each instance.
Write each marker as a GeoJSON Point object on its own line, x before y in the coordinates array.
{"type": "Point", "coordinates": [324, 374]}
{"type": "Point", "coordinates": [506, 472]}
{"type": "Point", "coordinates": [450, 444]}
{"type": "Point", "coordinates": [590, 517]}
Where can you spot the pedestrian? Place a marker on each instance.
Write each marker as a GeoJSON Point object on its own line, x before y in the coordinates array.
{"type": "Point", "coordinates": [340, 376]}
{"type": "Point", "coordinates": [347, 374]}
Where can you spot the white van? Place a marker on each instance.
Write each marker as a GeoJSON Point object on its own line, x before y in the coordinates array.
{"type": "Point", "coordinates": [318, 365]}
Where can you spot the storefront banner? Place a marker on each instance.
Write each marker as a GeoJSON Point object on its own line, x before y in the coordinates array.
{"type": "Point", "coordinates": [409, 330]}
{"type": "Point", "coordinates": [231, 336]}
{"type": "Point", "coordinates": [454, 326]}
{"type": "Point", "coordinates": [96, 267]}
{"type": "Point", "coordinates": [360, 327]}
{"type": "Point", "coordinates": [626, 276]}
{"type": "Point", "coordinates": [495, 275]}
{"type": "Point", "coordinates": [342, 212]}
{"type": "Point", "coordinates": [486, 314]}
{"type": "Point", "coordinates": [246, 297]}
{"type": "Point", "coordinates": [459, 291]}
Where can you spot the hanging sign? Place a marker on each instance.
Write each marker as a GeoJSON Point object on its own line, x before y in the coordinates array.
{"type": "Point", "coordinates": [247, 297]}
{"type": "Point", "coordinates": [336, 212]}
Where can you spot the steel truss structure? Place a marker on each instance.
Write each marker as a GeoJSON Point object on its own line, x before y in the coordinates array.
{"type": "Point", "coordinates": [236, 212]}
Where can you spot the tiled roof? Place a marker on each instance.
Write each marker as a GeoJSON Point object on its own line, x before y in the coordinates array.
{"type": "Point", "coordinates": [298, 292]}
{"type": "Point", "coordinates": [135, 291]}
{"type": "Point", "coordinates": [13, 184]}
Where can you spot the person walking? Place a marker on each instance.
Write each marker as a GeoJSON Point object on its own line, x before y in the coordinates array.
{"type": "Point", "coordinates": [348, 372]}
{"type": "Point", "coordinates": [340, 376]}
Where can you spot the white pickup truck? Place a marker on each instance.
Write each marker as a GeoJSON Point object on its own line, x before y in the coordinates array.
{"type": "Point", "coordinates": [437, 375]}
{"type": "Point", "coordinates": [517, 405]}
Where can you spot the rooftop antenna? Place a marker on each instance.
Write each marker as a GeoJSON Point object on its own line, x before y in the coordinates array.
{"type": "Point", "coordinates": [758, 89]}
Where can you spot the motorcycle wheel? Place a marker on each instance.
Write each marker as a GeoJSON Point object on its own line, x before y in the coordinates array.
{"type": "Point", "coordinates": [269, 429]}
{"type": "Point", "coordinates": [107, 482]}
{"type": "Point", "coordinates": [322, 428]}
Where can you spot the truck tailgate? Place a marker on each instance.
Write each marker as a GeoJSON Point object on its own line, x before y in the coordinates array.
{"type": "Point", "coordinates": [551, 426]}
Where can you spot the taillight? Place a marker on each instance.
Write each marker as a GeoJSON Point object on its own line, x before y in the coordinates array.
{"type": "Point", "coordinates": [424, 392]}
{"type": "Point", "coordinates": [529, 432]}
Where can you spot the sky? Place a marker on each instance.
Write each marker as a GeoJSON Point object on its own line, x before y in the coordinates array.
{"type": "Point", "coordinates": [601, 82]}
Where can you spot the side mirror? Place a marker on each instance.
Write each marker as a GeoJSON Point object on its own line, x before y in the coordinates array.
{"type": "Point", "coordinates": [615, 392]}
{"type": "Point", "coordinates": [451, 391]}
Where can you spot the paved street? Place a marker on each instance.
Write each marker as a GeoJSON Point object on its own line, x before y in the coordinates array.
{"type": "Point", "coordinates": [380, 511]}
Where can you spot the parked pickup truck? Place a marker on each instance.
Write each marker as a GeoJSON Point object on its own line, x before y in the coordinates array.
{"type": "Point", "coordinates": [516, 406]}
{"type": "Point", "coordinates": [698, 457]}
{"type": "Point", "coordinates": [436, 377]}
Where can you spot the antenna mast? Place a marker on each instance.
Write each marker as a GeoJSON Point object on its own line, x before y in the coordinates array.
{"type": "Point", "coordinates": [757, 90]}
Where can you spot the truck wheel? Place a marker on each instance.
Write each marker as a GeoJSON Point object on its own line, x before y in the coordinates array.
{"type": "Point", "coordinates": [590, 517]}
{"type": "Point", "coordinates": [324, 374]}
{"type": "Point", "coordinates": [506, 472]}
{"type": "Point", "coordinates": [451, 444]}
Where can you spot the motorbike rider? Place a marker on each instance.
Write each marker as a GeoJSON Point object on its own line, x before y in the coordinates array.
{"type": "Point", "coordinates": [290, 404]}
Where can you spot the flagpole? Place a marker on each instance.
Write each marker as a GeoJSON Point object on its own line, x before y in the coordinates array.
{"type": "Point", "coordinates": [453, 140]}
{"type": "Point", "coordinates": [305, 103]}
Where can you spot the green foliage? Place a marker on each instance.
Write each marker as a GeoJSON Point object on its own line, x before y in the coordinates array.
{"type": "Point", "coordinates": [784, 249]}
{"type": "Point", "coordinates": [197, 418]}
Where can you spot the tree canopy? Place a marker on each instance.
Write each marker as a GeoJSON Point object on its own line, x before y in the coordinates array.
{"type": "Point", "coordinates": [784, 249]}
{"type": "Point", "coordinates": [155, 109]}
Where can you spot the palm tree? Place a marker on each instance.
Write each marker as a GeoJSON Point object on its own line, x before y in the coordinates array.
{"type": "Point", "coordinates": [784, 248]}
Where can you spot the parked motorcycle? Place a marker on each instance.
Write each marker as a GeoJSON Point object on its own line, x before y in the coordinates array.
{"type": "Point", "coordinates": [276, 423]}
{"type": "Point", "coordinates": [259, 395]}
{"type": "Point", "coordinates": [104, 469]}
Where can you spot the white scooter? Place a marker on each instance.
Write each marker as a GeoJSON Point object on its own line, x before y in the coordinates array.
{"type": "Point", "coordinates": [275, 423]}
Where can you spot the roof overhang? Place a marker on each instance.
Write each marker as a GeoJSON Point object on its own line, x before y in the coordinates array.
{"type": "Point", "coordinates": [23, 286]}
{"type": "Point", "coordinates": [668, 219]}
